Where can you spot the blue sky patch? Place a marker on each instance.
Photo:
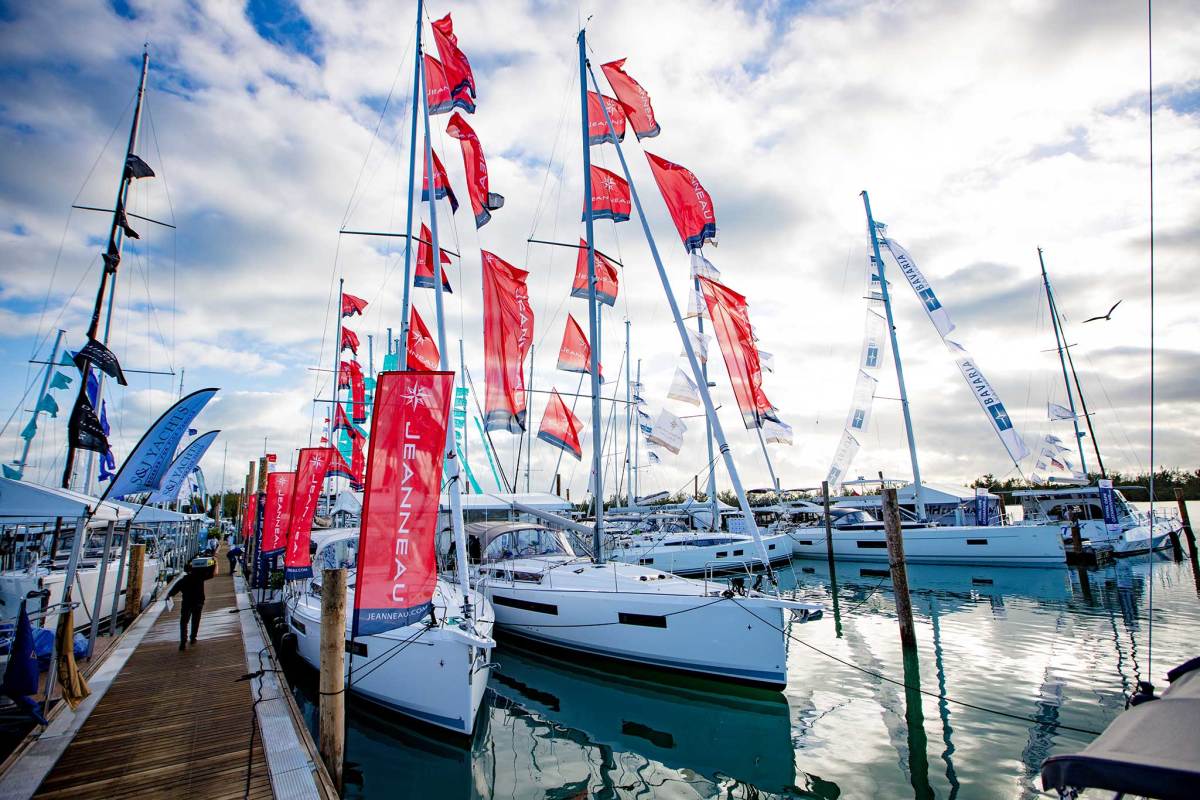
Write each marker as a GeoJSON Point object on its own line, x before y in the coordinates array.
{"type": "Point", "coordinates": [282, 23]}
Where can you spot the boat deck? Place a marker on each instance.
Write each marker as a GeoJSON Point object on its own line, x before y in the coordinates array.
{"type": "Point", "coordinates": [163, 723]}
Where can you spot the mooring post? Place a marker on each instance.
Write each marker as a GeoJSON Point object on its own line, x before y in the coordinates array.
{"type": "Point", "coordinates": [833, 587]}
{"type": "Point", "coordinates": [1076, 533]}
{"type": "Point", "coordinates": [133, 590]}
{"type": "Point", "coordinates": [895, 549]}
{"type": "Point", "coordinates": [332, 729]}
{"type": "Point", "coordinates": [1187, 526]}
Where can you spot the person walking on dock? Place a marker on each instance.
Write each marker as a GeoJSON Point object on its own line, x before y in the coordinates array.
{"type": "Point", "coordinates": [234, 554]}
{"type": "Point", "coordinates": [191, 586]}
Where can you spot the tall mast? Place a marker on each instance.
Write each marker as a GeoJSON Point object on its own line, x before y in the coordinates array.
{"type": "Point", "coordinates": [628, 423]}
{"type": "Point", "coordinates": [112, 256]}
{"type": "Point", "coordinates": [417, 103]}
{"type": "Point", "coordinates": [714, 509]}
{"type": "Point", "coordinates": [528, 437]}
{"type": "Point", "coordinates": [1062, 361]}
{"type": "Point", "coordinates": [887, 307]}
{"type": "Point", "coordinates": [593, 312]}
{"type": "Point", "coordinates": [709, 409]}
{"type": "Point", "coordinates": [462, 383]}
{"type": "Point", "coordinates": [337, 365]}
{"type": "Point", "coordinates": [637, 439]}
{"type": "Point", "coordinates": [1087, 418]}
{"type": "Point", "coordinates": [767, 457]}
{"type": "Point", "coordinates": [452, 466]}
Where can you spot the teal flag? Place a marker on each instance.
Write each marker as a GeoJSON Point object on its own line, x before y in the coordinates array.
{"type": "Point", "coordinates": [391, 362]}
{"type": "Point", "coordinates": [48, 405]}
{"type": "Point", "coordinates": [12, 473]}
{"type": "Point", "coordinates": [68, 360]}
{"type": "Point", "coordinates": [60, 381]}
{"type": "Point", "coordinates": [460, 425]}
{"type": "Point", "coordinates": [30, 429]}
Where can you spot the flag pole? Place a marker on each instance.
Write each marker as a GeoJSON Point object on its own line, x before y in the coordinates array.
{"type": "Point", "coordinates": [628, 422]}
{"type": "Point", "coordinates": [697, 373]}
{"type": "Point", "coordinates": [454, 487]}
{"type": "Point", "coordinates": [637, 439]}
{"type": "Point", "coordinates": [337, 365]}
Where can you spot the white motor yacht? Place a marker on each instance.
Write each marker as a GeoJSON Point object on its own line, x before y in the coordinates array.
{"type": "Point", "coordinates": [435, 670]}
{"type": "Point", "coordinates": [544, 593]}
{"type": "Point", "coordinates": [667, 542]}
{"type": "Point", "coordinates": [1134, 533]}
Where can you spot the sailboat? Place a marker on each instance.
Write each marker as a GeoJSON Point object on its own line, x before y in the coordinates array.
{"type": "Point", "coordinates": [429, 661]}
{"type": "Point", "coordinates": [547, 593]}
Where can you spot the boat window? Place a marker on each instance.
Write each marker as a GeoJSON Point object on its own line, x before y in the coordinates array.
{"type": "Point", "coordinates": [976, 541]}
{"type": "Point", "coordinates": [538, 543]}
{"type": "Point", "coordinates": [872, 545]}
{"type": "Point", "coordinates": [298, 625]}
{"type": "Point", "coordinates": [645, 620]}
{"type": "Point", "coordinates": [738, 552]}
{"type": "Point", "coordinates": [337, 554]}
{"type": "Point", "coordinates": [852, 518]}
{"type": "Point", "coordinates": [722, 553]}
{"type": "Point", "coordinates": [524, 605]}
{"type": "Point", "coordinates": [500, 548]}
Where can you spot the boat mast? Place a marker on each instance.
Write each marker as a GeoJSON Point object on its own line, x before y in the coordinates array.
{"type": "Point", "coordinates": [709, 409]}
{"type": "Point", "coordinates": [628, 423]}
{"type": "Point", "coordinates": [637, 439]}
{"type": "Point", "coordinates": [714, 514]}
{"type": "Point", "coordinates": [112, 257]}
{"type": "Point", "coordinates": [1062, 361]}
{"type": "Point", "coordinates": [337, 364]}
{"type": "Point", "coordinates": [1087, 417]}
{"type": "Point", "coordinates": [593, 312]}
{"type": "Point", "coordinates": [418, 70]}
{"type": "Point", "coordinates": [767, 456]}
{"type": "Point", "coordinates": [454, 488]}
{"type": "Point", "coordinates": [887, 306]}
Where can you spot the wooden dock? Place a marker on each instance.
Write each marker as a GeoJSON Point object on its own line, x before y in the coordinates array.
{"type": "Point", "coordinates": [163, 723]}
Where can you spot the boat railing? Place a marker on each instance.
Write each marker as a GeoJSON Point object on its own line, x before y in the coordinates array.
{"type": "Point", "coordinates": [727, 567]}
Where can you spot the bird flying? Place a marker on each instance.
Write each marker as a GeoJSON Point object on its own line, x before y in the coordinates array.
{"type": "Point", "coordinates": [1108, 316]}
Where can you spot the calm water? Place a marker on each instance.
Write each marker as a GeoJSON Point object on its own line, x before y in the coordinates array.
{"type": "Point", "coordinates": [1041, 644]}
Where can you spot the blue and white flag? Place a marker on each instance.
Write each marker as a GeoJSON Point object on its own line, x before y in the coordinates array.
{"type": "Point", "coordinates": [1108, 503]}
{"type": "Point", "coordinates": [182, 467]}
{"type": "Point", "coordinates": [983, 508]}
{"type": "Point", "coordinates": [1002, 423]}
{"type": "Point", "coordinates": [145, 467]}
{"type": "Point", "coordinates": [933, 307]}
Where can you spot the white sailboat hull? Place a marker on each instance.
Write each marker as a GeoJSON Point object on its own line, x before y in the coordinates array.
{"type": "Point", "coordinates": [700, 553]}
{"type": "Point", "coordinates": [15, 586]}
{"type": "Point", "coordinates": [1001, 546]}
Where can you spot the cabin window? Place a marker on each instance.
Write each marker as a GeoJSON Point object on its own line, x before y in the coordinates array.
{"type": "Point", "coordinates": [645, 620]}
{"type": "Point", "coordinates": [645, 560]}
{"type": "Point", "coordinates": [525, 605]}
{"type": "Point", "coordinates": [769, 547]}
{"type": "Point", "coordinates": [738, 552]}
{"type": "Point", "coordinates": [298, 625]}
{"type": "Point", "coordinates": [356, 648]}
{"type": "Point", "coordinates": [976, 541]}
{"type": "Point", "coordinates": [871, 545]}
{"type": "Point", "coordinates": [806, 541]}
{"type": "Point", "coordinates": [722, 553]}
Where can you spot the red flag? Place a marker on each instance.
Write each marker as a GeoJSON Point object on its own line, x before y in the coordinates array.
{"type": "Point", "coordinates": [338, 468]}
{"type": "Point", "coordinates": [575, 355]}
{"type": "Point", "coordinates": [610, 195]}
{"type": "Point", "coordinates": [483, 202]}
{"type": "Point", "coordinates": [340, 420]}
{"type": "Point", "coordinates": [438, 92]}
{"type": "Point", "coordinates": [351, 375]}
{"type": "Point", "coordinates": [358, 462]}
{"type": "Point", "coordinates": [310, 474]}
{"type": "Point", "coordinates": [352, 305]}
{"type": "Point", "coordinates": [731, 319]}
{"type": "Point", "coordinates": [397, 559]}
{"type": "Point", "coordinates": [423, 278]}
{"type": "Point", "coordinates": [507, 335]}
{"type": "Point", "coordinates": [277, 512]}
{"type": "Point", "coordinates": [606, 277]}
{"type": "Point", "coordinates": [441, 184]}
{"type": "Point", "coordinates": [690, 206]}
{"type": "Point", "coordinates": [458, 69]}
{"type": "Point", "coordinates": [598, 132]}
{"type": "Point", "coordinates": [422, 349]}
{"type": "Point", "coordinates": [249, 516]}
{"type": "Point", "coordinates": [633, 97]}
{"type": "Point", "coordinates": [560, 427]}
{"type": "Point", "coordinates": [349, 340]}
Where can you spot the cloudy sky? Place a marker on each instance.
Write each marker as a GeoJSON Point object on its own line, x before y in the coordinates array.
{"type": "Point", "coordinates": [981, 130]}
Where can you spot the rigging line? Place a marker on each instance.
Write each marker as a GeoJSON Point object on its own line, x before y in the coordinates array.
{"type": "Point", "coordinates": [174, 234]}
{"type": "Point", "coordinates": [325, 333]}
{"type": "Point", "coordinates": [1150, 119]}
{"type": "Point", "coordinates": [495, 455]}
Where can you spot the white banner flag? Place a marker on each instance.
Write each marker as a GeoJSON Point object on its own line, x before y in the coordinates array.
{"type": "Point", "coordinates": [684, 389]}
{"type": "Point", "coordinates": [986, 395]}
{"type": "Point", "coordinates": [766, 361]}
{"type": "Point", "coordinates": [699, 344]}
{"type": "Point", "coordinates": [668, 431]}
{"type": "Point", "coordinates": [860, 405]}
{"type": "Point", "coordinates": [933, 307]}
{"type": "Point", "coordinates": [1057, 412]}
{"type": "Point", "coordinates": [696, 305]}
{"type": "Point", "coordinates": [703, 268]}
{"type": "Point", "coordinates": [874, 342]}
{"type": "Point", "coordinates": [776, 432]}
{"type": "Point", "coordinates": [846, 450]}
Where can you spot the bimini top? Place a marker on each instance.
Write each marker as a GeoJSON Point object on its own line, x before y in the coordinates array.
{"type": "Point", "coordinates": [486, 532]}
{"type": "Point", "coordinates": [33, 504]}
{"type": "Point", "coordinates": [1152, 749]}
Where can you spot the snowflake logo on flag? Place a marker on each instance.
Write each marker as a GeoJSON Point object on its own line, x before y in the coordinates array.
{"type": "Point", "coordinates": [608, 183]}
{"type": "Point", "coordinates": [416, 396]}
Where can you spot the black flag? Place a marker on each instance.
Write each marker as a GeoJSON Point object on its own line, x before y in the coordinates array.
{"type": "Point", "coordinates": [123, 221]}
{"type": "Point", "coordinates": [137, 168]}
{"type": "Point", "coordinates": [103, 358]}
{"type": "Point", "coordinates": [84, 428]}
{"type": "Point", "coordinates": [111, 260]}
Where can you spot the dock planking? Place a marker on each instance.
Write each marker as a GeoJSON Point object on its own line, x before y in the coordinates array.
{"type": "Point", "coordinates": [173, 724]}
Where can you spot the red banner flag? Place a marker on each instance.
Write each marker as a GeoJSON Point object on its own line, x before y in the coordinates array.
{"type": "Point", "coordinates": [560, 427]}
{"type": "Point", "coordinates": [277, 512]}
{"type": "Point", "coordinates": [731, 320]}
{"type": "Point", "coordinates": [610, 196]}
{"type": "Point", "coordinates": [349, 340]}
{"type": "Point", "coordinates": [438, 92]}
{"type": "Point", "coordinates": [483, 201]}
{"type": "Point", "coordinates": [422, 349]}
{"type": "Point", "coordinates": [441, 184]}
{"type": "Point", "coordinates": [310, 475]}
{"type": "Point", "coordinates": [575, 355]}
{"type": "Point", "coordinates": [606, 277]}
{"type": "Point", "coordinates": [352, 305]}
{"type": "Point", "coordinates": [397, 559]}
{"type": "Point", "coordinates": [351, 375]}
{"type": "Point", "coordinates": [507, 335]}
{"type": "Point", "coordinates": [249, 516]}
{"type": "Point", "coordinates": [340, 420]}
{"type": "Point", "coordinates": [690, 206]}
{"type": "Point", "coordinates": [598, 132]}
{"type": "Point", "coordinates": [633, 97]}
{"type": "Point", "coordinates": [358, 463]}
{"type": "Point", "coordinates": [458, 69]}
{"type": "Point", "coordinates": [338, 468]}
{"type": "Point", "coordinates": [423, 277]}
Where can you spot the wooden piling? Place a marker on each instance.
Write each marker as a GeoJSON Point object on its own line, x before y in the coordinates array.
{"type": "Point", "coordinates": [895, 548]}
{"type": "Point", "coordinates": [1187, 523]}
{"type": "Point", "coordinates": [133, 588]}
{"type": "Point", "coordinates": [828, 526]}
{"type": "Point", "coordinates": [1076, 533]}
{"type": "Point", "coordinates": [332, 727]}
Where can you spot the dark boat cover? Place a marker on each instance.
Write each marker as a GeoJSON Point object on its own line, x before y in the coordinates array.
{"type": "Point", "coordinates": [1151, 750]}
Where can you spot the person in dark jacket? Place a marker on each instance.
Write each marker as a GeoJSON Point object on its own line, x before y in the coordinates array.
{"type": "Point", "coordinates": [191, 586]}
{"type": "Point", "coordinates": [234, 554]}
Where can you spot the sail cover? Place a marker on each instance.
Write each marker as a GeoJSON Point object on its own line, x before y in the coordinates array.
{"type": "Point", "coordinates": [438, 92]}
{"type": "Point", "coordinates": [277, 512]}
{"type": "Point", "coordinates": [575, 355]}
{"type": "Point", "coordinates": [560, 427]}
{"type": "Point", "coordinates": [610, 196]}
{"type": "Point", "coordinates": [633, 97]}
{"type": "Point", "coordinates": [690, 206]}
{"type": "Point", "coordinates": [483, 201]}
{"type": "Point", "coordinates": [441, 183]}
{"type": "Point", "coordinates": [507, 335]}
{"type": "Point", "coordinates": [731, 322]}
{"type": "Point", "coordinates": [458, 69]}
{"type": "Point", "coordinates": [423, 276]}
{"type": "Point", "coordinates": [606, 277]}
{"type": "Point", "coordinates": [422, 349]}
{"type": "Point", "coordinates": [598, 132]}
